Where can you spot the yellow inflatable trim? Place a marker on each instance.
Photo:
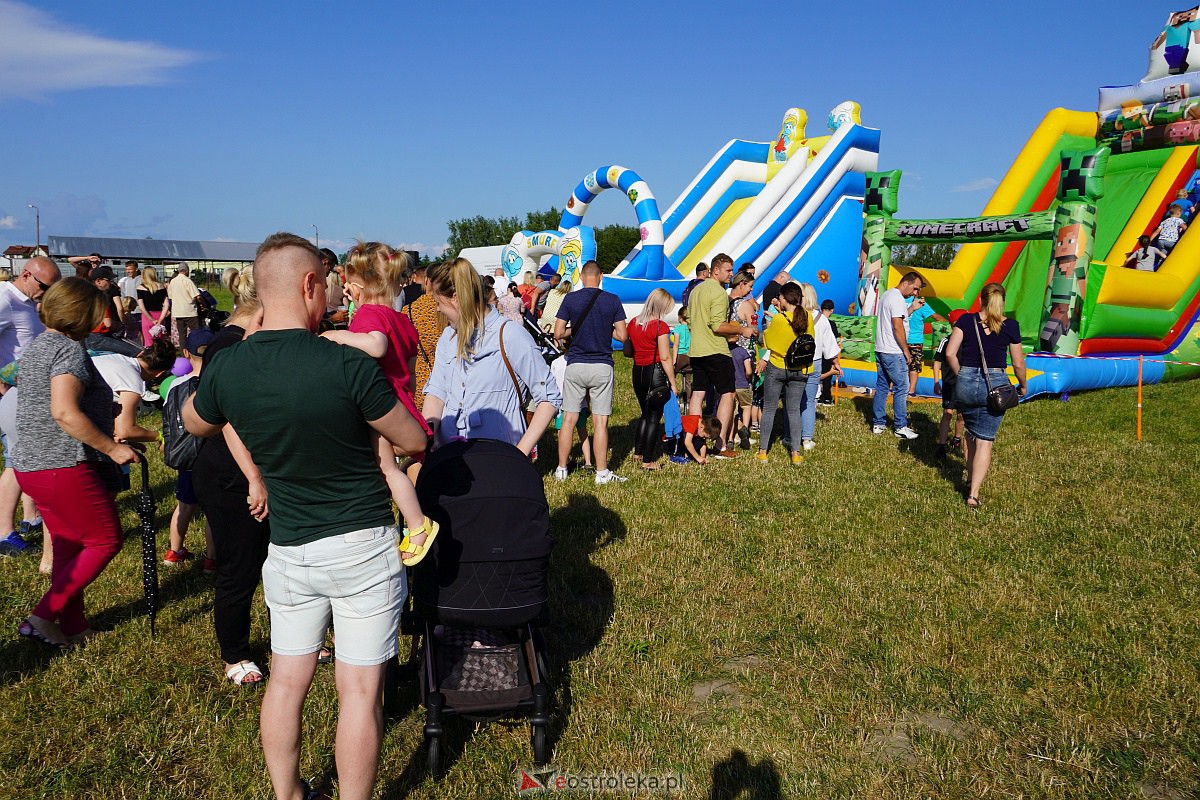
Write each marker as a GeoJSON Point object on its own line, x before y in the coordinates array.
{"type": "Point", "coordinates": [953, 281]}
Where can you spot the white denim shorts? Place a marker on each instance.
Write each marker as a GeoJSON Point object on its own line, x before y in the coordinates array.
{"type": "Point", "coordinates": [354, 578]}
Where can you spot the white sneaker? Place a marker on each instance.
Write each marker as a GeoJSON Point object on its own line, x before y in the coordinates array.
{"type": "Point", "coordinates": [906, 433]}
{"type": "Point", "coordinates": [809, 444]}
{"type": "Point", "coordinates": [560, 473]}
{"type": "Point", "coordinates": [878, 429]}
{"type": "Point", "coordinates": [608, 476]}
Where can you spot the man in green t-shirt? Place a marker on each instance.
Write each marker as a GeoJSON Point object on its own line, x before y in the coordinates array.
{"type": "Point", "coordinates": [308, 411]}
{"type": "Point", "coordinates": [708, 322]}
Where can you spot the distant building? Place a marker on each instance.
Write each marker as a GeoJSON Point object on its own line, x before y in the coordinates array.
{"type": "Point", "coordinates": [17, 254]}
{"type": "Point", "coordinates": [202, 257]}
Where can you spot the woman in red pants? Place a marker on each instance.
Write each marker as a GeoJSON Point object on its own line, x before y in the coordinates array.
{"type": "Point", "coordinates": [67, 460]}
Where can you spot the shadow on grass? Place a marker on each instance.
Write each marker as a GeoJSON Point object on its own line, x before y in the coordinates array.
{"type": "Point", "coordinates": [736, 778]}
{"type": "Point", "coordinates": [581, 593]}
{"type": "Point", "coordinates": [23, 658]}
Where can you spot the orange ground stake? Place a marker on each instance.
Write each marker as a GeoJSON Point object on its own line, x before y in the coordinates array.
{"type": "Point", "coordinates": [1139, 410]}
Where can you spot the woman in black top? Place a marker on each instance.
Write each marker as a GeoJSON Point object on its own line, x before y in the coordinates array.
{"type": "Point", "coordinates": [235, 508]}
{"type": "Point", "coordinates": [998, 337]}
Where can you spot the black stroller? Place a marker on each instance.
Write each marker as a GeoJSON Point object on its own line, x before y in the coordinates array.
{"type": "Point", "coordinates": [482, 590]}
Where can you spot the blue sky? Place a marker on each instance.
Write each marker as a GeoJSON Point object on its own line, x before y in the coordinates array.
{"type": "Point", "coordinates": [384, 120]}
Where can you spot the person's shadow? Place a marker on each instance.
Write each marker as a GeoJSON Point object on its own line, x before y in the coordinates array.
{"type": "Point", "coordinates": [736, 778]}
{"type": "Point", "coordinates": [581, 594]}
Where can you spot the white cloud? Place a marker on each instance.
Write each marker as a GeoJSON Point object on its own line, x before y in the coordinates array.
{"type": "Point", "coordinates": [40, 55]}
{"type": "Point", "coordinates": [8, 223]}
{"type": "Point", "coordinates": [977, 186]}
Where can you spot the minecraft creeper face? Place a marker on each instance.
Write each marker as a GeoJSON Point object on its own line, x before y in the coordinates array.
{"type": "Point", "coordinates": [882, 196]}
{"type": "Point", "coordinates": [1082, 175]}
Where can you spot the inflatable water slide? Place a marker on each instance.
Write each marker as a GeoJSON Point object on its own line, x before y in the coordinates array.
{"type": "Point", "coordinates": [1145, 135]}
{"type": "Point", "coordinates": [793, 204]}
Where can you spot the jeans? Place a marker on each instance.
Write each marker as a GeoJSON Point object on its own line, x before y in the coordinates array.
{"type": "Point", "coordinates": [891, 368]}
{"type": "Point", "coordinates": [791, 384]}
{"type": "Point", "coordinates": [808, 413]}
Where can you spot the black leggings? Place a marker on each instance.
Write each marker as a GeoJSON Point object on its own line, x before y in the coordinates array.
{"type": "Point", "coordinates": [649, 428]}
{"type": "Point", "coordinates": [241, 543]}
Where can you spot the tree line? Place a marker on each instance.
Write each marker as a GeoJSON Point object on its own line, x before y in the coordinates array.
{"type": "Point", "coordinates": [613, 242]}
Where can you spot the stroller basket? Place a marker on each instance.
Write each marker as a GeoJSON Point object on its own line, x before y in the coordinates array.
{"type": "Point", "coordinates": [480, 670]}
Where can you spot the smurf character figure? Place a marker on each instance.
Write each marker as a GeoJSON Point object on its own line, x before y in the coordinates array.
{"type": "Point", "coordinates": [844, 113]}
{"type": "Point", "coordinates": [793, 125]}
{"type": "Point", "coordinates": [1183, 29]}
{"type": "Point", "coordinates": [510, 259]}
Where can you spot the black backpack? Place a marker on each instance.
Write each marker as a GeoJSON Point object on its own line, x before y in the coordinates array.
{"type": "Point", "coordinates": [800, 353]}
{"type": "Point", "coordinates": [180, 448]}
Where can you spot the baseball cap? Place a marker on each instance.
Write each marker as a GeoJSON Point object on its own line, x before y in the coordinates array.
{"type": "Point", "coordinates": [98, 273]}
{"type": "Point", "coordinates": [198, 340]}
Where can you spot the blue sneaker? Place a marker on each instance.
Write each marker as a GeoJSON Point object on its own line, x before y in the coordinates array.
{"type": "Point", "coordinates": [680, 460]}
{"type": "Point", "coordinates": [14, 545]}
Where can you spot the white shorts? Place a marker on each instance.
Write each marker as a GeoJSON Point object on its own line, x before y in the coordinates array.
{"type": "Point", "coordinates": [356, 578]}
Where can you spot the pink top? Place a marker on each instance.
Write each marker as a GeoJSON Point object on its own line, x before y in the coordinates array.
{"type": "Point", "coordinates": [403, 341]}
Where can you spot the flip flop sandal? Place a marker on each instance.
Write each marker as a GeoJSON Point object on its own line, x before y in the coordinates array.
{"type": "Point", "coordinates": [973, 501]}
{"type": "Point", "coordinates": [26, 630]}
{"type": "Point", "coordinates": [325, 656]}
{"type": "Point", "coordinates": [237, 673]}
{"type": "Point", "coordinates": [419, 551]}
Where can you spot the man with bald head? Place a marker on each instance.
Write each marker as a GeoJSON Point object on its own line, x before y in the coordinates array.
{"type": "Point", "coordinates": [19, 325]}
{"type": "Point", "coordinates": [309, 411]}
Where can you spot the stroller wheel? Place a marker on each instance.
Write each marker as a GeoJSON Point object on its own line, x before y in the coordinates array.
{"type": "Point", "coordinates": [434, 756]}
{"type": "Point", "coordinates": [541, 748]}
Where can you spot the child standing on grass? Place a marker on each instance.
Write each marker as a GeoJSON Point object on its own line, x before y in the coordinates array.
{"type": "Point", "coordinates": [374, 273]}
{"type": "Point", "coordinates": [743, 373]}
{"type": "Point", "coordinates": [943, 384]}
{"type": "Point", "coordinates": [186, 502]}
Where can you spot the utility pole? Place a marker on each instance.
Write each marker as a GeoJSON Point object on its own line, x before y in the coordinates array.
{"type": "Point", "coordinates": [38, 212]}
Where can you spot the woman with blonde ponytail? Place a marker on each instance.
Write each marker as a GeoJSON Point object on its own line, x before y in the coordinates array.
{"type": "Point", "coordinates": [234, 500]}
{"type": "Point", "coordinates": [471, 394]}
{"type": "Point", "coordinates": [986, 337]}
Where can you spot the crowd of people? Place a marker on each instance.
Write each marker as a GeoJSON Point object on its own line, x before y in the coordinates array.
{"type": "Point", "coordinates": [409, 358]}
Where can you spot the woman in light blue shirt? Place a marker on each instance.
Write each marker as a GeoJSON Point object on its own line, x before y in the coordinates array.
{"type": "Point", "coordinates": [471, 393]}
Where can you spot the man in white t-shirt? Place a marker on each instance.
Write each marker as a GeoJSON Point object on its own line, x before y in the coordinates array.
{"type": "Point", "coordinates": [183, 295]}
{"type": "Point", "coordinates": [891, 360]}
{"type": "Point", "coordinates": [19, 325]}
{"type": "Point", "coordinates": [129, 284]}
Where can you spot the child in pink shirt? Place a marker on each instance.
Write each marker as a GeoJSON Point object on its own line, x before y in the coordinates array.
{"type": "Point", "coordinates": [373, 273]}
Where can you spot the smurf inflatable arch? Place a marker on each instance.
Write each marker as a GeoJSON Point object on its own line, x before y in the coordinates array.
{"type": "Point", "coordinates": [569, 250]}
{"type": "Point", "coordinates": [654, 265]}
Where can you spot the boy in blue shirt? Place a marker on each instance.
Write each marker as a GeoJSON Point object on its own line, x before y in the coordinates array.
{"type": "Point", "coordinates": [918, 312]}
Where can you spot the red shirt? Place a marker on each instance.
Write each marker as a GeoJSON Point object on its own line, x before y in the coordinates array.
{"type": "Point", "coordinates": [403, 341]}
{"type": "Point", "coordinates": [691, 424]}
{"type": "Point", "coordinates": [645, 341]}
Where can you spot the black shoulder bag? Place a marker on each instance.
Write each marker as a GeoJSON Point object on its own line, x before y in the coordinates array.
{"type": "Point", "coordinates": [1002, 397]}
{"type": "Point", "coordinates": [577, 326]}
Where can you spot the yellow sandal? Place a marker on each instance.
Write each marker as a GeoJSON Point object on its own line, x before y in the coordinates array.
{"type": "Point", "coordinates": [430, 528]}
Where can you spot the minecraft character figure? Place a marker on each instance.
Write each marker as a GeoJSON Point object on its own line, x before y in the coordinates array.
{"type": "Point", "coordinates": [1183, 29]}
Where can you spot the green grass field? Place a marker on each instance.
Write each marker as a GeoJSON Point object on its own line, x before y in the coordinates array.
{"type": "Point", "coordinates": [845, 628]}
